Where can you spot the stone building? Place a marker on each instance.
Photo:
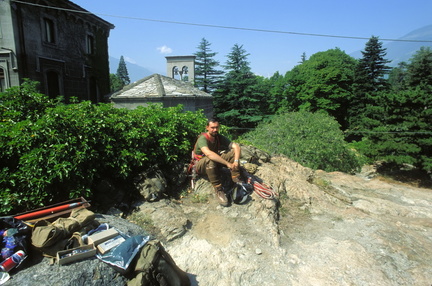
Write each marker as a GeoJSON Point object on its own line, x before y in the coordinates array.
{"type": "Point", "coordinates": [167, 91]}
{"type": "Point", "coordinates": [181, 67]}
{"type": "Point", "coordinates": [57, 43]}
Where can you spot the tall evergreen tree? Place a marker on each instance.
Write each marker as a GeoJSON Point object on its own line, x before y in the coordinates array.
{"type": "Point", "coordinates": [403, 136]}
{"type": "Point", "coordinates": [419, 105]}
{"type": "Point", "coordinates": [122, 72]}
{"type": "Point", "coordinates": [372, 67]}
{"type": "Point", "coordinates": [419, 71]}
{"type": "Point", "coordinates": [206, 75]}
{"type": "Point", "coordinates": [237, 100]}
{"type": "Point", "coordinates": [369, 82]}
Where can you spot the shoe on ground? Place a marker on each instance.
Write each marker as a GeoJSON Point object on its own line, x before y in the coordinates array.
{"type": "Point", "coordinates": [221, 197]}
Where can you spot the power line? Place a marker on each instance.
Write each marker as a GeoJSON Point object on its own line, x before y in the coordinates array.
{"type": "Point", "coordinates": [222, 27]}
{"type": "Point", "coordinates": [364, 132]}
{"type": "Point", "coordinates": [391, 132]}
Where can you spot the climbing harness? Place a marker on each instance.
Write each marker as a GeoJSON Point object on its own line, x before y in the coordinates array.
{"type": "Point", "coordinates": [191, 171]}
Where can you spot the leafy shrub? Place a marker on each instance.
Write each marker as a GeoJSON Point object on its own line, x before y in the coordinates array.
{"type": "Point", "coordinates": [312, 139]}
{"type": "Point", "coordinates": [51, 151]}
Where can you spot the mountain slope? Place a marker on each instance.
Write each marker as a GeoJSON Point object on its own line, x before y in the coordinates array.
{"type": "Point", "coordinates": [403, 51]}
{"type": "Point", "coordinates": [135, 72]}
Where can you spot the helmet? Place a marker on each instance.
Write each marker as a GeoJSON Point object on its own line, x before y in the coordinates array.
{"type": "Point", "coordinates": [240, 192]}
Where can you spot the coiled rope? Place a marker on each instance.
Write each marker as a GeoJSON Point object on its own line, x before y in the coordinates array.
{"type": "Point", "coordinates": [261, 189]}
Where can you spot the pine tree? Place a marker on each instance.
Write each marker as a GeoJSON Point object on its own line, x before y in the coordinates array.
{"type": "Point", "coordinates": [122, 72]}
{"type": "Point", "coordinates": [419, 84]}
{"type": "Point", "coordinates": [419, 71]}
{"type": "Point", "coordinates": [372, 67]}
{"type": "Point", "coordinates": [238, 99]}
{"type": "Point", "coordinates": [369, 82]}
{"type": "Point", "coordinates": [403, 135]}
{"type": "Point", "coordinates": [206, 75]}
{"type": "Point", "coordinates": [237, 60]}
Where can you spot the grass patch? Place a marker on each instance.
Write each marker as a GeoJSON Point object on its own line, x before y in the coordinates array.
{"type": "Point", "coordinates": [200, 198]}
{"type": "Point", "coordinates": [145, 222]}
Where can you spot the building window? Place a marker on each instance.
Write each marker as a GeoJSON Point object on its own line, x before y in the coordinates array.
{"type": "Point", "coordinates": [184, 74]}
{"type": "Point", "coordinates": [176, 73]}
{"type": "Point", "coordinates": [49, 31]}
{"type": "Point", "coordinates": [90, 45]}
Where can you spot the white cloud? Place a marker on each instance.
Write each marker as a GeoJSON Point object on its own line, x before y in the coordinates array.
{"type": "Point", "coordinates": [164, 50]}
{"type": "Point", "coordinates": [130, 60]}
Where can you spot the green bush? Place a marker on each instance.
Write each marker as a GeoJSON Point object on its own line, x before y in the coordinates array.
{"type": "Point", "coordinates": [52, 151]}
{"type": "Point", "coordinates": [312, 139]}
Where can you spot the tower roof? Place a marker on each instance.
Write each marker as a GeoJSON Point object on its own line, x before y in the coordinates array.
{"type": "Point", "coordinates": [157, 85]}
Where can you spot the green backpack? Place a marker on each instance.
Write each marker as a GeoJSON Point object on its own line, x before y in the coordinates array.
{"type": "Point", "coordinates": [155, 267]}
{"type": "Point", "coordinates": [50, 238]}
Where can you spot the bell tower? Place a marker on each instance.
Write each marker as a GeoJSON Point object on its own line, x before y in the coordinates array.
{"type": "Point", "coordinates": [181, 67]}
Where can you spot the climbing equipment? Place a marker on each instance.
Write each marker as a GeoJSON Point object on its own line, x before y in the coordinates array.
{"type": "Point", "coordinates": [191, 171]}
{"type": "Point", "coordinates": [261, 189]}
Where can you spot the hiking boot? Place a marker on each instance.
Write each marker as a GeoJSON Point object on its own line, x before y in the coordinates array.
{"type": "Point", "coordinates": [220, 195]}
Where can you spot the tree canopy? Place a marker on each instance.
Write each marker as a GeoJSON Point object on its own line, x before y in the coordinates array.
{"type": "Point", "coordinates": [323, 82]}
{"type": "Point", "coordinates": [207, 76]}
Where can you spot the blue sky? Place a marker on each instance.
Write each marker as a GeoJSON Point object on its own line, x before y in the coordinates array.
{"type": "Point", "coordinates": [146, 43]}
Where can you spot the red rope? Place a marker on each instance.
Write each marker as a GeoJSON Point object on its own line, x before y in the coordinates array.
{"type": "Point", "coordinates": [261, 189]}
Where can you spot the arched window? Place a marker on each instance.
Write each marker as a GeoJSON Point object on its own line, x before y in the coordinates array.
{"type": "Point", "coordinates": [49, 30]}
{"type": "Point", "coordinates": [184, 74]}
{"type": "Point", "coordinates": [176, 73]}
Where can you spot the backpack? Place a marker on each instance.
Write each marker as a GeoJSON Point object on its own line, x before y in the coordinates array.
{"type": "Point", "coordinates": [51, 237]}
{"type": "Point", "coordinates": [240, 193]}
{"type": "Point", "coordinates": [155, 267]}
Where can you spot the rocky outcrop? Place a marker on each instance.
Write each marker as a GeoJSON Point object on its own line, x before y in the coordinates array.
{"type": "Point", "coordinates": [324, 229]}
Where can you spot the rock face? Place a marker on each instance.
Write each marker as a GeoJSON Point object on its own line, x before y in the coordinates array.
{"type": "Point", "coordinates": [325, 229]}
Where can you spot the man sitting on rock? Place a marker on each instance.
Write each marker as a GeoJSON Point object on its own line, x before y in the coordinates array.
{"type": "Point", "coordinates": [213, 151]}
